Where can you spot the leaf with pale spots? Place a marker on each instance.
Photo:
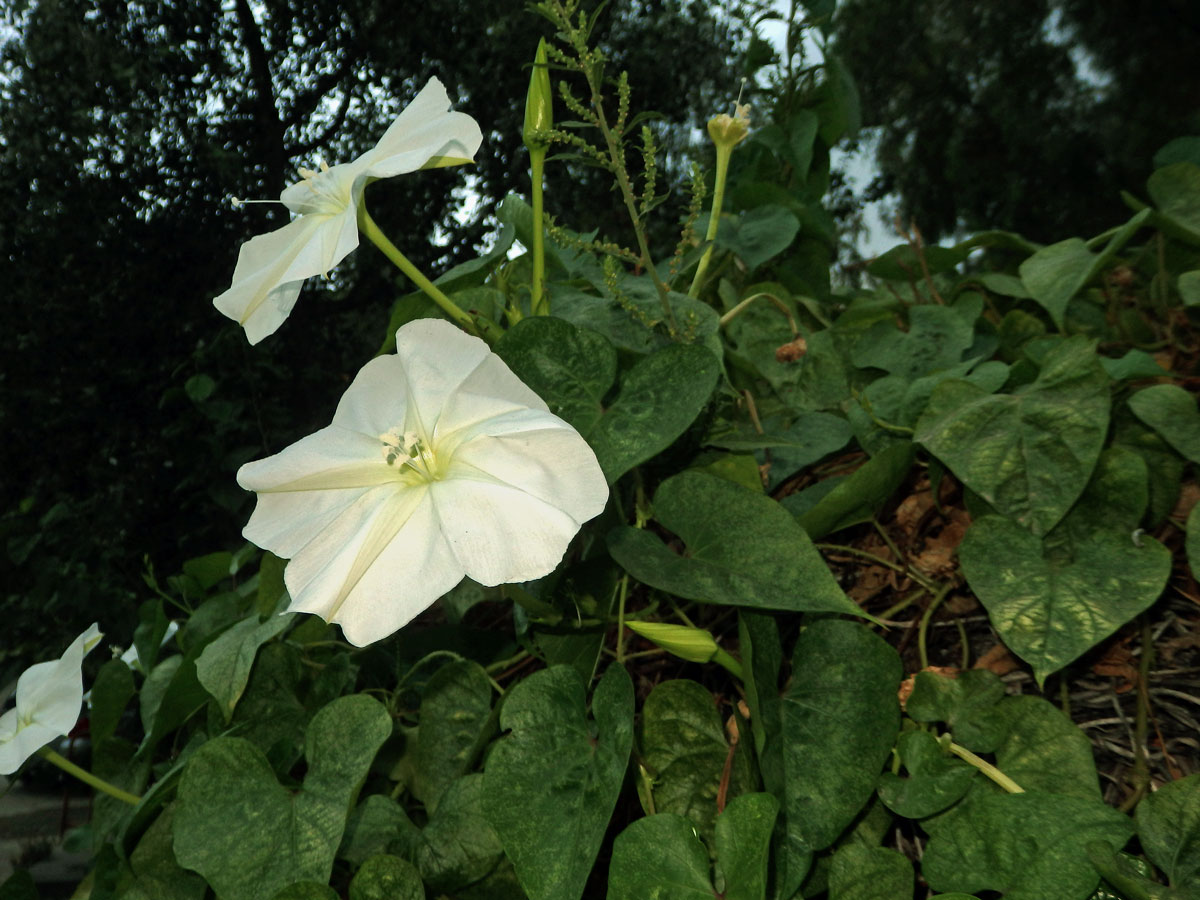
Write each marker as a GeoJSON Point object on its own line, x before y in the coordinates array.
{"type": "Point", "coordinates": [1030, 453]}
{"type": "Point", "coordinates": [1053, 598]}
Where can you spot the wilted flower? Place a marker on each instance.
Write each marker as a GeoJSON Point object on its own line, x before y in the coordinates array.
{"type": "Point", "coordinates": [272, 267]}
{"type": "Point", "coordinates": [49, 696]}
{"type": "Point", "coordinates": [439, 463]}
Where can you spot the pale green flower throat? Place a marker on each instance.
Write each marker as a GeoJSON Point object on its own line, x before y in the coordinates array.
{"type": "Point", "coordinates": [413, 457]}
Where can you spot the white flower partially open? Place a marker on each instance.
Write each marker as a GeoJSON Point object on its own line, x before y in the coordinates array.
{"type": "Point", "coordinates": [439, 463]}
{"type": "Point", "coordinates": [49, 696]}
{"type": "Point", "coordinates": [272, 267]}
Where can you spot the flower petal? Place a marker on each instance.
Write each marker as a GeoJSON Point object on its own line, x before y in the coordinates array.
{"type": "Point", "coordinates": [489, 391]}
{"type": "Point", "coordinates": [48, 699]}
{"type": "Point", "coordinates": [377, 566]}
{"type": "Point", "coordinates": [500, 534]}
{"type": "Point", "coordinates": [376, 400]}
{"type": "Point", "coordinates": [425, 129]}
{"type": "Point", "coordinates": [436, 358]}
{"type": "Point", "coordinates": [260, 298]}
{"type": "Point", "coordinates": [552, 464]}
{"type": "Point", "coordinates": [307, 485]}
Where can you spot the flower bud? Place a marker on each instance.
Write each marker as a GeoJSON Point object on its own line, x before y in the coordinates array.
{"type": "Point", "coordinates": [539, 102]}
{"type": "Point", "coordinates": [693, 644]}
{"type": "Point", "coordinates": [726, 130]}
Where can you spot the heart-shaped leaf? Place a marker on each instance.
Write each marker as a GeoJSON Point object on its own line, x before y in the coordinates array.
{"type": "Point", "coordinates": [1029, 454]}
{"type": "Point", "coordinates": [1052, 599]}
{"type": "Point", "coordinates": [1029, 846]}
{"type": "Point", "coordinates": [234, 817]}
{"type": "Point", "coordinates": [550, 786]}
{"type": "Point", "coordinates": [743, 549]}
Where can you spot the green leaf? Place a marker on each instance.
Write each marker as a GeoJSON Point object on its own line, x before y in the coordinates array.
{"type": "Point", "coordinates": [1027, 846]}
{"type": "Point", "coordinates": [839, 717]}
{"type": "Point", "coordinates": [1120, 871]}
{"type": "Point", "coordinates": [458, 846]}
{"type": "Point", "coordinates": [935, 778]}
{"type": "Point", "coordinates": [1042, 750]}
{"type": "Point", "coordinates": [658, 857]}
{"type": "Point", "coordinates": [248, 835]}
{"type": "Point", "coordinates": [743, 550]}
{"type": "Point", "coordinates": [743, 843]}
{"type": "Point", "coordinates": [550, 787]}
{"type": "Point", "coordinates": [306, 890]}
{"type": "Point", "coordinates": [111, 692]}
{"type": "Point", "coordinates": [936, 338]}
{"type": "Point", "coordinates": [1168, 824]}
{"type": "Point", "coordinates": [810, 437]}
{"type": "Point", "coordinates": [869, 873]}
{"type": "Point", "coordinates": [758, 234]}
{"type": "Point", "coordinates": [1029, 454]}
{"type": "Point", "coordinates": [209, 570]}
{"type": "Point", "coordinates": [1175, 190]}
{"type": "Point", "coordinates": [901, 263]}
{"type": "Point", "coordinates": [223, 668]}
{"type": "Point", "coordinates": [387, 878]}
{"type": "Point", "coordinates": [1051, 599]}
{"type": "Point", "coordinates": [684, 748]}
{"type": "Point", "coordinates": [156, 874]}
{"type": "Point", "coordinates": [455, 711]}
{"type": "Point", "coordinates": [570, 368]}
{"type": "Point", "coordinates": [859, 497]}
{"type": "Point", "coordinates": [1189, 288]}
{"type": "Point", "coordinates": [1055, 274]}
{"type": "Point", "coordinates": [1133, 365]}
{"type": "Point", "coordinates": [659, 398]}
{"type": "Point", "coordinates": [631, 323]}
{"type": "Point", "coordinates": [1171, 411]}
{"type": "Point", "coordinates": [376, 826]}
{"type": "Point", "coordinates": [966, 703]}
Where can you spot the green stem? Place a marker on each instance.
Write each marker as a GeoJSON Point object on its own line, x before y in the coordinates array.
{"type": "Point", "coordinates": [986, 768]}
{"type": "Point", "coordinates": [714, 217]}
{"type": "Point", "coordinates": [731, 665]}
{"type": "Point", "coordinates": [934, 603]}
{"type": "Point", "coordinates": [538, 303]}
{"type": "Point", "coordinates": [733, 313]}
{"type": "Point", "coordinates": [479, 327]}
{"type": "Point", "coordinates": [624, 589]}
{"type": "Point", "coordinates": [88, 778]}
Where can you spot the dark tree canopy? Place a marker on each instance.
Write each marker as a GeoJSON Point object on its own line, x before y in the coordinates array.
{"type": "Point", "coordinates": [1027, 115]}
{"type": "Point", "coordinates": [125, 129]}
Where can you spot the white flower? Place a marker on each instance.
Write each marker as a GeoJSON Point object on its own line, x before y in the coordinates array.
{"type": "Point", "coordinates": [439, 463]}
{"type": "Point", "coordinates": [49, 696]}
{"type": "Point", "coordinates": [272, 267]}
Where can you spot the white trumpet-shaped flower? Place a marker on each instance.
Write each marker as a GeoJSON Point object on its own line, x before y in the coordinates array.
{"type": "Point", "coordinates": [440, 463]}
{"type": "Point", "coordinates": [272, 267]}
{"type": "Point", "coordinates": [49, 696]}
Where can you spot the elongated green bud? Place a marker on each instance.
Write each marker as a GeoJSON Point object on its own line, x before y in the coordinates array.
{"type": "Point", "coordinates": [693, 644]}
{"type": "Point", "coordinates": [539, 102]}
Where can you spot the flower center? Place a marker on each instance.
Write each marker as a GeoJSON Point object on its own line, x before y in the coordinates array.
{"type": "Point", "coordinates": [413, 458]}
{"type": "Point", "coordinates": [328, 194]}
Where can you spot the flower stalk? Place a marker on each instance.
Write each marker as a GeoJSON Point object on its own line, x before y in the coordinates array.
{"type": "Point", "coordinates": [539, 119]}
{"type": "Point", "coordinates": [88, 778]}
{"type": "Point", "coordinates": [726, 132]}
{"type": "Point", "coordinates": [475, 325]}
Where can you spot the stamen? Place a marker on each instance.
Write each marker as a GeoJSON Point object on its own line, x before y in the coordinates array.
{"type": "Point", "coordinates": [237, 202]}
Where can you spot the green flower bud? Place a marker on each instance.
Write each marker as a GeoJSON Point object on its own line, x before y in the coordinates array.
{"type": "Point", "coordinates": [726, 130]}
{"type": "Point", "coordinates": [693, 644]}
{"type": "Point", "coordinates": [539, 102]}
